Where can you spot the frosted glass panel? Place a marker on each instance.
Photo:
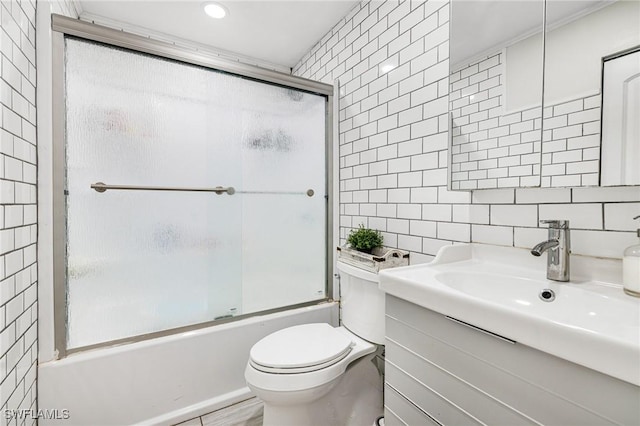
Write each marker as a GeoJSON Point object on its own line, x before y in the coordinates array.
{"type": "Point", "coordinates": [283, 259]}
{"type": "Point", "coordinates": [283, 248]}
{"type": "Point", "coordinates": [143, 262]}
{"type": "Point", "coordinates": [146, 261]}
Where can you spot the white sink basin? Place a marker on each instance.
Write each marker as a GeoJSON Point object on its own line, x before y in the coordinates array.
{"type": "Point", "coordinates": [590, 322]}
{"type": "Point", "coordinates": [581, 306]}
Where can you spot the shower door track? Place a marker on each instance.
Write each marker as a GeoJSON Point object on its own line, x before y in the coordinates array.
{"type": "Point", "coordinates": [106, 35]}
{"type": "Point", "coordinates": [63, 26]}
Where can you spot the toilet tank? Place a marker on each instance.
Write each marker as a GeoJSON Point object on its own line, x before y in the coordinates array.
{"type": "Point", "coordinates": [361, 303]}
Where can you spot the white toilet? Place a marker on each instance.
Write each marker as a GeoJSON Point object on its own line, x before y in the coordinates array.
{"type": "Point", "coordinates": [316, 374]}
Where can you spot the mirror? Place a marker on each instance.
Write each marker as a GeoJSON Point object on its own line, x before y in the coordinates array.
{"type": "Point", "coordinates": [506, 131]}
{"type": "Point", "coordinates": [591, 126]}
{"type": "Point", "coordinates": [620, 125]}
{"type": "Point", "coordinates": [495, 93]}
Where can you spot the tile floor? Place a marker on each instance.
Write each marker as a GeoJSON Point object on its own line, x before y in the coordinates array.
{"type": "Point", "coordinates": [245, 413]}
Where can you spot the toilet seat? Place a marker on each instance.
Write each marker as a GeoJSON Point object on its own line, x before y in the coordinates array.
{"type": "Point", "coordinates": [265, 381]}
{"type": "Point", "coordinates": [300, 349]}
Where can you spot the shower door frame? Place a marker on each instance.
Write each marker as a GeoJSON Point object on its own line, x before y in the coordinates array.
{"type": "Point", "coordinates": [63, 26]}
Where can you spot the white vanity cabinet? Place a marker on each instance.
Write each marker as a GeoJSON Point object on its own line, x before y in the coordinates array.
{"type": "Point", "coordinates": [440, 371]}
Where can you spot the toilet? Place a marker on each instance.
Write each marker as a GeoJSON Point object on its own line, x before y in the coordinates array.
{"type": "Point", "coordinates": [316, 374]}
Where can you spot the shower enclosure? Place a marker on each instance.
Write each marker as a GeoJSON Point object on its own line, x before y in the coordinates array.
{"type": "Point", "coordinates": [188, 190]}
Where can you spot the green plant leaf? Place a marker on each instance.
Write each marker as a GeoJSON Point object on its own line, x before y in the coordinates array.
{"type": "Point", "coordinates": [364, 239]}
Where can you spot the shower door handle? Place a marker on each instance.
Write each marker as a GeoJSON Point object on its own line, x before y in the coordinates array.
{"type": "Point", "coordinates": [103, 187]}
{"type": "Point", "coordinates": [230, 190]}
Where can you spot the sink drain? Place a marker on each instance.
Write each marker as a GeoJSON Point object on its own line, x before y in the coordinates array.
{"type": "Point", "coordinates": [547, 295]}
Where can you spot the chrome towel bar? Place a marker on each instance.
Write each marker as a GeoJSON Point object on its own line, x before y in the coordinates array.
{"type": "Point", "coordinates": [103, 187]}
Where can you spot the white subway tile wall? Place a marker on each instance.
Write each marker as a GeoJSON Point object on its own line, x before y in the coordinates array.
{"type": "Point", "coordinates": [391, 59]}
{"type": "Point", "coordinates": [18, 210]}
{"type": "Point", "coordinates": [571, 143]}
{"type": "Point", "coordinates": [491, 147]}
{"type": "Point", "coordinates": [18, 207]}
{"type": "Point", "coordinates": [494, 148]}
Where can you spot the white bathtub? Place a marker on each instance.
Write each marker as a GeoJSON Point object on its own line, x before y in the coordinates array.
{"type": "Point", "coordinates": [162, 381]}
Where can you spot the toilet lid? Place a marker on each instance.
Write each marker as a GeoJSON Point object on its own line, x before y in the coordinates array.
{"type": "Point", "coordinates": [300, 347]}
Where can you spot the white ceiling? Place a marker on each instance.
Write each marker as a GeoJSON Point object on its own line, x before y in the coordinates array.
{"type": "Point", "coordinates": [274, 31]}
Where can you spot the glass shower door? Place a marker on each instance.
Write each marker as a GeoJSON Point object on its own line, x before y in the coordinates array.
{"type": "Point", "coordinates": [144, 260]}
{"type": "Point", "coordinates": [283, 151]}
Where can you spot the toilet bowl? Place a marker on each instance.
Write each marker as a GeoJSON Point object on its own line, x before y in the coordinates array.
{"type": "Point", "coordinates": [316, 374]}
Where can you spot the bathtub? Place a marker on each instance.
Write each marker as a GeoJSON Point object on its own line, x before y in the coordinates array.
{"type": "Point", "coordinates": [162, 381]}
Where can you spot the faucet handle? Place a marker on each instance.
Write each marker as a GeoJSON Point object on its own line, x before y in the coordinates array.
{"type": "Point", "coordinates": [556, 224]}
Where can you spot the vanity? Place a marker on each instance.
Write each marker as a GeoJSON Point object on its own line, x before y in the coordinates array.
{"type": "Point", "coordinates": [538, 97]}
{"type": "Point", "coordinates": [480, 336]}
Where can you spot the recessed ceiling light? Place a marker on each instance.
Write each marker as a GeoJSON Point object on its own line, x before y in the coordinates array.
{"type": "Point", "coordinates": [215, 10]}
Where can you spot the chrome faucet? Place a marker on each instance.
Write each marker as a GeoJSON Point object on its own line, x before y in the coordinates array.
{"type": "Point", "coordinates": [558, 247]}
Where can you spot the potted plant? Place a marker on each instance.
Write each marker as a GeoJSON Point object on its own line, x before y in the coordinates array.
{"type": "Point", "coordinates": [364, 239]}
{"type": "Point", "coordinates": [364, 250]}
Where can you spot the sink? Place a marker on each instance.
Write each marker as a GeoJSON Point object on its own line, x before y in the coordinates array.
{"type": "Point", "coordinates": [581, 306]}
{"type": "Point", "coordinates": [590, 321]}
{"type": "Point", "coordinates": [506, 289]}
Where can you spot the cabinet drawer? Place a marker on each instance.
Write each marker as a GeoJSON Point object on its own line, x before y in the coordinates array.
{"type": "Point", "coordinates": [398, 411]}
{"type": "Point", "coordinates": [537, 386]}
{"type": "Point", "coordinates": [437, 406]}
{"type": "Point", "coordinates": [438, 392]}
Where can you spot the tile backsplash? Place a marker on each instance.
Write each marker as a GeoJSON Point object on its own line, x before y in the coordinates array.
{"type": "Point", "coordinates": [391, 59]}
